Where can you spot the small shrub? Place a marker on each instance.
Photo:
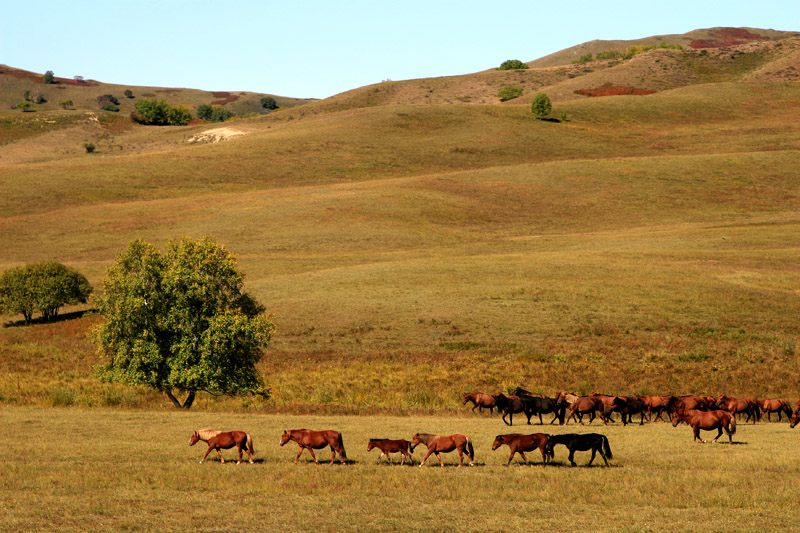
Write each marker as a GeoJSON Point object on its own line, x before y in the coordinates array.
{"type": "Point", "coordinates": [541, 106]}
{"type": "Point", "coordinates": [39, 99]}
{"type": "Point", "coordinates": [108, 106]}
{"type": "Point", "coordinates": [89, 147]}
{"type": "Point", "coordinates": [509, 92]}
{"type": "Point", "coordinates": [25, 106]}
{"type": "Point", "coordinates": [269, 102]}
{"type": "Point", "coordinates": [512, 64]}
{"type": "Point", "coordinates": [129, 94]}
{"type": "Point", "coordinates": [65, 104]}
{"type": "Point", "coordinates": [585, 58]}
{"type": "Point", "coordinates": [107, 98]}
{"type": "Point", "coordinates": [49, 77]}
{"type": "Point", "coordinates": [564, 117]}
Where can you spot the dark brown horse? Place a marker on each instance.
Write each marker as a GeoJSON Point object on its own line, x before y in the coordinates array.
{"type": "Point", "coordinates": [769, 406]}
{"type": "Point", "coordinates": [387, 446]}
{"type": "Point", "coordinates": [508, 405]}
{"type": "Point", "coordinates": [444, 443]}
{"type": "Point", "coordinates": [310, 440]}
{"type": "Point", "coordinates": [480, 400]}
{"type": "Point", "coordinates": [708, 421]}
{"type": "Point", "coordinates": [590, 405]}
{"type": "Point", "coordinates": [224, 440]}
{"type": "Point", "coordinates": [594, 442]}
{"type": "Point", "coordinates": [795, 419]}
{"type": "Point", "coordinates": [519, 443]}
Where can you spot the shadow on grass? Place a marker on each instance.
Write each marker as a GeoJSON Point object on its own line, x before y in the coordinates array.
{"type": "Point", "coordinates": [58, 318]}
{"type": "Point", "coordinates": [560, 464]}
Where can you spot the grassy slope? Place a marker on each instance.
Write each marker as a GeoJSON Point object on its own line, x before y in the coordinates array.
{"type": "Point", "coordinates": [139, 474]}
{"type": "Point", "coordinates": [648, 244]}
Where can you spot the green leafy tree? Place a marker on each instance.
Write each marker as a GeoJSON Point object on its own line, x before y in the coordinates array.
{"type": "Point", "coordinates": [66, 104]}
{"type": "Point", "coordinates": [180, 322]}
{"type": "Point", "coordinates": [16, 293]}
{"type": "Point", "coordinates": [160, 113]}
{"type": "Point", "coordinates": [541, 106]}
{"type": "Point", "coordinates": [25, 106]}
{"type": "Point", "coordinates": [45, 286]}
{"type": "Point", "coordinates": [269, 102]}
{"type": "Point", "coordinates": [49, 77]}
{"type": "Point", "coordinates": [213, 113]}
{"type": "Point", "coordinates": [509, 92]}
{"type": "Point", "coordinates": [512, 64]}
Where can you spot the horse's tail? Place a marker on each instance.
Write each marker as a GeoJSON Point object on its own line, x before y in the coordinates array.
{"type": "Point", "coordinates": [470, 449]}
{"type": "Point", "coordinates": [732, 426]}
{"type": "Point", "coordinates": [341, 446]}
{"type": "Point", "coordinates": [250, 443]}
{"type": "Point", "coordinates": [607, 448]}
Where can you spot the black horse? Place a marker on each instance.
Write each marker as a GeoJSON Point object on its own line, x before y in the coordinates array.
{"type": "Point", "coordinates": [540, 406]}
{"type": "Point", "coordinates": [509, 406]}
{"type": "Point", "coordinates": [629, 406]}
{"type": "Point", "coordinates": [595, 442]}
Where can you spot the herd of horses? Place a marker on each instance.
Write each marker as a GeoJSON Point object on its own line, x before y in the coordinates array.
{"type": "Point", "coordinates": [706, 413]}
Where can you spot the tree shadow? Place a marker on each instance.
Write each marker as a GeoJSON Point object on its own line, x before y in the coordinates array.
{"type": "Point", "coordinates": [73, 315]}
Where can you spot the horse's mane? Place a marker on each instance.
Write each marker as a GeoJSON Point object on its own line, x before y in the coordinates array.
{"type": "Point", "coordinates": [426, 437]}
{"type": "Point", "coordinates": [206, 434]}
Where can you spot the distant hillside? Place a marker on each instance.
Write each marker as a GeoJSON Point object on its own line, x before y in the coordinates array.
{"type": "Point", "coordinates": [712, 55]}
{"type": "Point", "coordinates": [14, 82]}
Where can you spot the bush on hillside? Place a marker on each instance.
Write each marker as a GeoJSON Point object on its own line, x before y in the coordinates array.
{"type": "Point", "coordinates": [585, 58]}
{"type": "Point", "coordinates": [49, 77]}
{"type": "Point", "coordinates": [66, 104]}
{"type": "Point", "coordinates": [160, 113]}
{"type": "Point", "coordinates": [108, 106]}
{"type": "Point", "coordinates": [509, 92]}
{"type": "Point", "coordinates": [541, 106]}
{"type": "Point", "coordinates": [512, 64]}
{"type": "Point", "coordinates": [269, 102]}
{"type": "Point", "coordinates": [89, 147]}
{"type": "Point", "coordinates": [213, 113]}
{"type": "Point", "coordinates": [25, 106]}
{"type": "Point", "coordinates": [129, 94]}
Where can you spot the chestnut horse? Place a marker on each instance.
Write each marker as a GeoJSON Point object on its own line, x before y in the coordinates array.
{"type": "Point", "coordinates": [519, 443]}
{"type": "Point", "coordinates": [481, 400]}
{"type": "Point", "coordinates": [795, 419]}
{"type": "Point", "coordinates": [224, 440]}
{"type": "Point", "coordinates": [307, 439]}
{"type": "Point", "coordinates": [442, 444]}
{"type": "Point", "coordinates": [586, 405]}
{"type": "Point", "coordinates": [657, 405]}
{"type": "Point", "coordinates": [708, 421]}
{"type": "Point", "coordinates": [774, 406]}
{"type": "Point", "coordinates": [737, 406]}
{"type": "Point", "coordinates": [387, 446]}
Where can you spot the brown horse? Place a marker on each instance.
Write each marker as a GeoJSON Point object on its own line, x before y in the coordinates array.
{"type": "Point", "coordinates": [736, 406]}
{"type": "Point", "coordinates": [657, 405]}
{"type": "Point", "coordinates": [587, 405]}
{"type": "Point", "coordinates": [774, 406]}
{"type": "Point", "coordinates": [387, 446]}
{"type": "Point", "coordinates": [480, 400]}
{"type": "Point", "coordinates": [708, 421]}
{"type": "Point", "coordinates": [442, 444]}
{"type": "Point", "coordinates": [687, 403]}
{"type": "Point", "coordinates": [224, 440]}
{"type": "Point", "coordinates": [795, 419]}
{"type": "Point", "coordinates": [519, 443]}
{"type": "Point", "coordinates": [307, 439]}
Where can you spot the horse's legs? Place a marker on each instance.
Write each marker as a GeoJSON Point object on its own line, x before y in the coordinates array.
{"type": "Point", "coordinates": [239, 447]}
{"type": "Point", "coordinates": [430, 451]}
{"type": "Point", "coordinates": [221, 459]}
{"type": "Point", "coordinates": [718, 434]}
{"type": "Point", "coordinates": [299, 453]}
{"type": "Point", "coordinates": [572, 457]}
{"type": "Point", "coordinates": [594, 452]}
{"type": "Point", "coordinates": [333, 455]}
{"type": "Point", "coordinates": [206, 454]}
{"type": "Point", "coordinates": [602, 453]}
{"type": "Point", "coordinates": [379, 458]}
{"type": "Point", "coordinates": [696, 430]}
{"type": "Point", "coordinates": [524, 458]}
{"type": "Point", "coordinates": [441, 463]}
{"type": "Point", "coordinates": [511, 457]}
{"type": "Point", "coordinates": [313, 455]}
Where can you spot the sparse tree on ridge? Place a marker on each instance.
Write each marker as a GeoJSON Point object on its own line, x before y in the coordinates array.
{"type": "Point", "coordinates": [180, 322]}
{"type": "Point", "coordinates": [49, 77]}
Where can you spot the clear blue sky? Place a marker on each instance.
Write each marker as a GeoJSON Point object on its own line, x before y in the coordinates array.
{"type": "Point", "coordinates": [316, 48]}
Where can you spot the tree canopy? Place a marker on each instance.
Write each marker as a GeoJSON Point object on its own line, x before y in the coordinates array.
{"type": "Point", "coordinates": [269, 102]}
{"type": "Point", "coordinates": [160, 113]}
{"type": "Point", "coordinates": [181, 321]}
{"type": "Point", "coordinates": [512, 64]}
{"type": "Point", "coordinates": [45, 287]}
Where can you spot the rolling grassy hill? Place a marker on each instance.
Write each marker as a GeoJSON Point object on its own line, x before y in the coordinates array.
{"type": "Point", "coordinates": [412, 251]}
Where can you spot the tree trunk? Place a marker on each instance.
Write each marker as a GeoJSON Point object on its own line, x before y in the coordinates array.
{"type": "Point", "coordinates": [186, 404]}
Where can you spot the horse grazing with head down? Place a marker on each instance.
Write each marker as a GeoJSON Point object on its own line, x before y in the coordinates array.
{"type": "Point", "coordinates": [387, 446]}
{"type": "Point", "coordinates": [770, 406]}
{"type": "Point", "coordinates": [708, 421]}
{"type": "Point", "coordinates": [795, 419]}
{"type": "Point", "coordinates": [595, 442]}
{"type": "Point", "coordinates": [307, 439]}
{"type": "Point", "coordinates": [480, 400]}
{"type": "Point", "coordinates": [519, 443]}
{"type": "Point", "coordinates": [443, 444]}
{"type": "Point", "coordinates": [224, 440]}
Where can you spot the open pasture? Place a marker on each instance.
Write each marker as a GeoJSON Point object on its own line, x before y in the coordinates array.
{"type": "Point", "coordinates": [78, 469]}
